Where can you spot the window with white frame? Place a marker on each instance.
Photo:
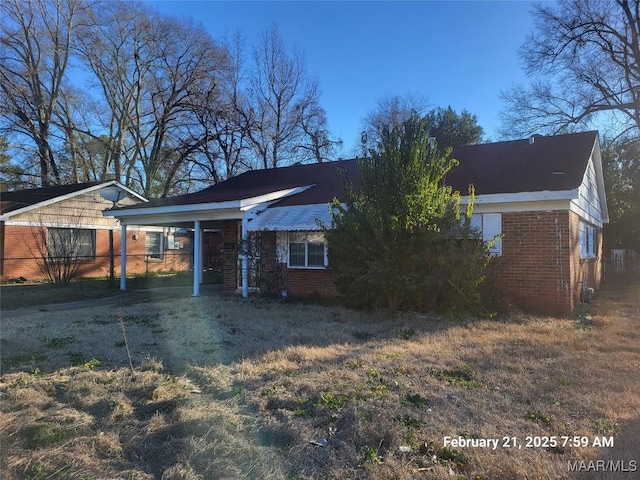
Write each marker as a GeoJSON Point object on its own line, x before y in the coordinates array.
{"type": "Point", "coordinates": [588, 236]}
{"type": "Point", "coordinates": [66, 243]}
{"type": "Point", "coordinates": [153, 245]}
{"type": "Point", "coordinates": [490, 226]}
{"type": "Point", "coordinates": [307, 250]}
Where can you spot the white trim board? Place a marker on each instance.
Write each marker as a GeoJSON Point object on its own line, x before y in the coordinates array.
{"type": "Point", "coordinates": [232, 209]}
{"type": "Point", "coordinates": [522, 197]}
{"type": "Point", "coordinates": [88, 226]}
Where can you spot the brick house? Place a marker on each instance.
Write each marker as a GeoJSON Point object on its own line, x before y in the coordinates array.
{"type": "Point", "coordinates": [544, 195]}
{"type": "Point", "coordinates": [32, 220]}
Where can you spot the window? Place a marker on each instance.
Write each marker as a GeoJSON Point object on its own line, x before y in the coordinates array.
{"type": "Point", "coordinates": [153, 245]}
{"type": "Point", "coordinates": [490, 225]}
{"type": "Point", "coordinates": [588, 237]}
{"type": "Point", "coordinates": [307, 250]}
{"type": "Point", "coordinates": [69, 243]}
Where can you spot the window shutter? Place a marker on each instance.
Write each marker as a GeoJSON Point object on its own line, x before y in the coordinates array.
{"type": "Point", "coordinates": [491, 227]}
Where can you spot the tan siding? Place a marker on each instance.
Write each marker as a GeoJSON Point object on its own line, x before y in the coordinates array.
{"type": "Point", "coordinates": [84, 209]}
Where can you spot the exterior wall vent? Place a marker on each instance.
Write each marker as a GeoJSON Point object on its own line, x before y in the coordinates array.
{"type": "Point", "coordinates": [532, 138]}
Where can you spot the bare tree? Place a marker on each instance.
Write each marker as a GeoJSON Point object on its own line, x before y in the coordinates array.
{"type": "Point", "coordinates": [62, 249]}
{"type": "Point", "coordinates": [114, 44]}
{"type": "Point", "coordinates": [316, 141]}
{"type": "Point", "coordinates": [167, 109]}
{"type": "Point", "coordinates": [221, 121]}
{"type": "Point", "coordinates": [232, 136]}
{"type": "Point", "coordinates": [585, 59]}
{"type": "Point", "coordinates": [220, 145]}
{"type": "Point", "coordinates": [36, 41]}
{"type": "Point", "coordinates": [281, 99]}
{"type": "Point", "coordinates": [390, 111]}
{"type": "Point", "coordinates": [185, 80]}
{"type": "Point", "coordinates": [156, 74]}
{"type": "Point", "coordinates": [72, 118]}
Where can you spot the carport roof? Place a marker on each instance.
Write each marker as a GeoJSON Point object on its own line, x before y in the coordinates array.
{"type": "Point", "coordinates": [326, 179]}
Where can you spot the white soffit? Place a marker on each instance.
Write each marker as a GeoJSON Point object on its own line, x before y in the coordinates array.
{"type": "Point", "coordinates": [291, 218]}
{"type": "Point", "coordinates": [522, 197]}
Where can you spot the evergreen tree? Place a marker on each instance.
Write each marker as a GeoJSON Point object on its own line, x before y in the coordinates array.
{"type": "Point", "coordinates": [400, 240]}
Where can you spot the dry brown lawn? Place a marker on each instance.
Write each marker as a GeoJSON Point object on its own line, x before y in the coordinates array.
{"type": "Point", "coordinates": [229, 388]}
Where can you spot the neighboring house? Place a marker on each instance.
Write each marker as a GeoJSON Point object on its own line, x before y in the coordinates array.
{"type": "Point", "coordinates": [33, 220]}
{"type": "Point", "coordinates": [543, 195]}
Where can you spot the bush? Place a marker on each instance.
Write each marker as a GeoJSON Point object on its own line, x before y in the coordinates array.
{"type": "Point", "coordinates": [400, 240]}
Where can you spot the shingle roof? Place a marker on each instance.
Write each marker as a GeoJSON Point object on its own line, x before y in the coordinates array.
{"type": "Point", "coordinates": [548, 164]}
{"type": "Point", "coordinates": [10, 201]}
{"type": "Point", "coordinates": [327, 179]}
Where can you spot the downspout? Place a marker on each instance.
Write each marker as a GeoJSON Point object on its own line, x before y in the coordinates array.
{"type": "Point", "coordinates": [244, 258]}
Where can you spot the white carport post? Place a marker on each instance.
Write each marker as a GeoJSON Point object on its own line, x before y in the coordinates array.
{"type": "Point", "coordinates": [200, 257]}
{"type": "Point", "coordinates": [245, 260]}
{"type": "Point", "coordinates": [123, 257]}
{"type": "Point", "coordinates": [197, 258]}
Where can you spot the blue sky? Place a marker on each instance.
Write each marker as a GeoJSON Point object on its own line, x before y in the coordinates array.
{"type": "Point", "coordinates": [458, 53]}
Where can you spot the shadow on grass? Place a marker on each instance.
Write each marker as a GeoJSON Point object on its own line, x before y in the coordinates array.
{"type": "Point", "coordinates": [37, 294]}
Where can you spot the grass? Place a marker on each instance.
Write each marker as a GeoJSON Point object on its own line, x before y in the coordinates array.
{"type": "Point", "coordinates": [239, 388]}
{"type": "Point", "coordinates": [29, 295]}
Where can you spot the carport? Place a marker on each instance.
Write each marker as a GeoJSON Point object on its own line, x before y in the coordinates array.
{"type": "Point", "coordinates": [197, 211]}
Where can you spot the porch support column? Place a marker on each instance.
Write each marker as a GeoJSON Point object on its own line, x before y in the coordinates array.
{"type": "Point", "coordinates": [123, 257]}
{"type": "Point", "coordinates": [197, 258]}
{"type": "Point", "coordinates": [244, 259]}
{"type": "Point", "coordinates": [200, 257]}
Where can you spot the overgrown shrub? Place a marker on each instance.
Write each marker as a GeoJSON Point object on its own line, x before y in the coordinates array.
{"type": "Point", "coordinates": [400, 240]}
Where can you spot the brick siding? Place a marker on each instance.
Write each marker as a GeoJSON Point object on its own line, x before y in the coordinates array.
{"type": "Point", "coordinates": [299, 282]}
{"type": "Point", "coordinates": [302, 282]}
{"type": "Point", "coordinates": [230, 255]}
{"type": "Point", "coordinates": [20, 255]}
{"type": "Point", "coordinates": [534, 271]}
{"type": "Point", "coordinates": [539, 270]}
